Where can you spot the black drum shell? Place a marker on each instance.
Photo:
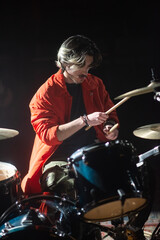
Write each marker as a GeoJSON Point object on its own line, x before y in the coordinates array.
{"type": "Point", "coordinates": [9, 186]}
{"type": "Point", "coordinates": [103, 173]}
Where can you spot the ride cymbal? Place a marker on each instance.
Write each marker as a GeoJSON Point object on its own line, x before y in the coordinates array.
{"type": "Point", "coordinates": [151, 131]}
{"type": "Point", "coordinates": [7, 133]}
{"type": "Point", "coordinates": [140, 91]}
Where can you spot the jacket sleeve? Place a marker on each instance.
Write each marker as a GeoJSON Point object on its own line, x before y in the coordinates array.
{"type": "Point", "coordinates": [44, 119]}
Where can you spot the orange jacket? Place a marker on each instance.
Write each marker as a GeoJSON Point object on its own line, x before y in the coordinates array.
{"type": "Point", "coordinates": [51, 107]}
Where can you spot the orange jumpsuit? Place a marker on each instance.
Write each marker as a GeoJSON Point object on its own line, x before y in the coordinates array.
{"type": "Point", "coordinates": [51, 107]}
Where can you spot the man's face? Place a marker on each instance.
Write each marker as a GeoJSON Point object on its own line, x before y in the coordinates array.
{"type": "Point", "coordinates": [78, 75]}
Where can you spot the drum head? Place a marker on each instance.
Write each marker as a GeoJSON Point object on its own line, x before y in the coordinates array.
{"type": "Point", "coordinates": [7, 170]}
{"type": "Point", "coordinates": [114, 209]}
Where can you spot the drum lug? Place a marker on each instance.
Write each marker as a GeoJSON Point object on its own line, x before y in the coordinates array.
{"type": "Point", "coordinates": [122, 195]}
{"type": "Point", "coordinates": [131, 181]}
{"type": "Point", "coordinates": [4, 232]}
{"type": "Point", "coordinates": [79, 213]}
{"type": "Point", "coordinates": [84, 157]}
{"type": "Point", "coordinates": [8, 225]}
{"type": "Point", "coordinates": [70, 161]}
{"type": "Point", "coordinates": [6, 229]}
{"type": "Point", "coordinates": [82, 210]}
{"type": "Point", "coordinates": [60, 233]}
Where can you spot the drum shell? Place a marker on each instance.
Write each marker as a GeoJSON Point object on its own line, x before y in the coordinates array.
{"type": "Point", "coordinates": [9, 186]}
{"type": "Point", "coordinates": [104, 172]}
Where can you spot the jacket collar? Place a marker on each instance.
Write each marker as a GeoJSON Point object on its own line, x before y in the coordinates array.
{"type": "Point", "coordinates": [59, 78]}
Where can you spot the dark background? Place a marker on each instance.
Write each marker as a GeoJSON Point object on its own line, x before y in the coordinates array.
{"type": "Point", "coordinates": [128, 35]}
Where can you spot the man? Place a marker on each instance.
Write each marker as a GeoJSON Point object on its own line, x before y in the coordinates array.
{"type": "Point", "coordinates": [63, 106]}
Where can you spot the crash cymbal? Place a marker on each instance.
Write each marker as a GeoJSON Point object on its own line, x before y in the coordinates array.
{"type": "Point", "coordinates": [7, 133]}
{"type": "Point", "coordinates": [140, 91]}
{"type": "Point", "coordinates": [148, 132]}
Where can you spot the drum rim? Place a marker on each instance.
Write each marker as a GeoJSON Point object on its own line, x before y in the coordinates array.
{"type": "Point", "coordinates": [39, 197]}
{"type": "Point", "coordinates": [9, 164]}
{"type": "Point", "coordinates": [15, 174]}
{"type": "Point", "coordinates": [76, 156]}
{"type": "Point", "coordinates": [84, 211]}
{"type": "Point", "coordinates": [30, 228]}
{"type": "Point", "coordinates": [33, 198]}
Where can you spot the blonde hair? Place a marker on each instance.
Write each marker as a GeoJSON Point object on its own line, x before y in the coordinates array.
{"type": "Point", "coordinates": [73, 51]}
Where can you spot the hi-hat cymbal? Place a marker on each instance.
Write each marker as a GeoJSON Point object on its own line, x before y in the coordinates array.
{"type": "Point", "coordinates": [148, 132]}
{"type": "Point", "coordinates": [7, 133]}
{"type": "Point", "coordinates": [140, 91]}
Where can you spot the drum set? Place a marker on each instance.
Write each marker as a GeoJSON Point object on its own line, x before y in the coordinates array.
{"type": "Point", "coordinates": [110, 185]}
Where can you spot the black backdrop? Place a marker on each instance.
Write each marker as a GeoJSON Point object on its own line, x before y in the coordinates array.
{"type": "Point", "coordinates": [127, 33]}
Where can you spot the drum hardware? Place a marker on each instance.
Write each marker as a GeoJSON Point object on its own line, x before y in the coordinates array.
{"type": "Point", "coordinates": [156, 90]}
{"type": "Point", "coordinates": [153, 152]}
{"type": "Point", "coordinates": [109, 230]}
{"type": "Point", "coordinates": [122, 196]}
{"type": "Point", "coordinates": [157, 95]}
{"type": "Point", "coordinates": [151, 131]}
{"type": "Point", "coordinates": [156, 233]}
{"type": "Point", "coordinates": [7, 133]}
{"type": "Point", "coordinates": [132, 182]}
{"type": "Point", "coordinates": [17, 205]}
{"type": "Point", "coordinates": [33, 217]}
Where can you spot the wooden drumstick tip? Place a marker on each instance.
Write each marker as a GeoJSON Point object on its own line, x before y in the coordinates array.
{"type": "Point", "coordinates": [113, 128]}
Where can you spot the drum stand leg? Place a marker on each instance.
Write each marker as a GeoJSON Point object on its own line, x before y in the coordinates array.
{"type": "Point", "coordinates": [156, 233]}
{"type": "Point", "coordinates": [110, 232]}
{"type": "Point", "coordinates": [117, 232]}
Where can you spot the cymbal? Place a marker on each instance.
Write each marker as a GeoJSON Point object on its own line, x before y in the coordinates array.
{"type": "Point", "coordinates": [148, 132]}
{"type": "Point", "coordinates": [7, 133]}
{"type": "Point", "coordinates": [140, 91]}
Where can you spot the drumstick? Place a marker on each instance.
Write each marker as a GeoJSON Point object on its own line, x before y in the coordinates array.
{"type": "Point", "coordinates": [112, 109]}
{"type": "Point", "coordinates": [113, 128]}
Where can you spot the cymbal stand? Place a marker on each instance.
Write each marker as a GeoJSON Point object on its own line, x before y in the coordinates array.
{"type": "Point", "coordinates": [156, 90]}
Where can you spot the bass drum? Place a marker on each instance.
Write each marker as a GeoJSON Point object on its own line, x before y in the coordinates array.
{"type": "Point", "coordinates": [9, 185]}
{"type": "Point", "coordinates": [39, 217]}
{"type": "Point", "coordinates": [106, 181]}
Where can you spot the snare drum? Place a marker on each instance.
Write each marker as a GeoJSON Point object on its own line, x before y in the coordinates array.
{"type": "Point", "coordinates": [106, 181]}
{"type": "Point", "coordinates": [26, 220]}
{"type": "Point", "coordinates": [9, 185]}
